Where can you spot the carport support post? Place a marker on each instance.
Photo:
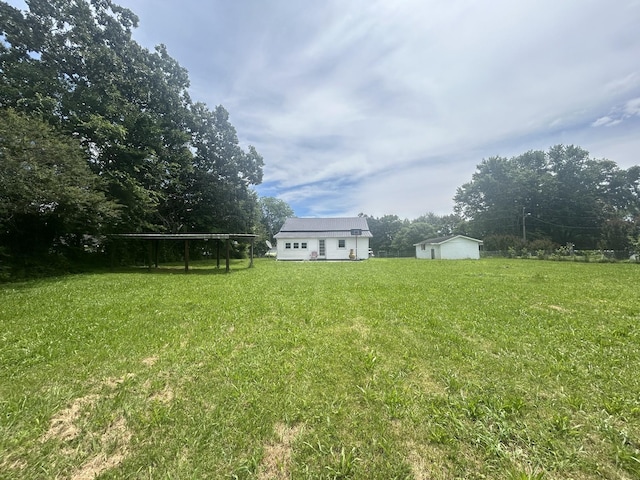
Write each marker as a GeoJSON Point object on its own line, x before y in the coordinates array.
{"type": "Point", "coordinates": [251, 257]}
{"type": "Point", "coordinates": [186, 256]}
{"type": "Point", "coordinates": [218, 254]}
{"type": "Point", "coordinates": [156, 248]}
{"type": "Point", "coordinates": [228, 254]}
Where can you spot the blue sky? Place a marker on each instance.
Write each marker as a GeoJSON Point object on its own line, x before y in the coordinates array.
{"type": "Point", "coordinates": [386, 107]}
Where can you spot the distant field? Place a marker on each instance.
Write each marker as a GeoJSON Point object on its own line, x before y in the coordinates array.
{"type": "Point", "coordinates": [387, 368]}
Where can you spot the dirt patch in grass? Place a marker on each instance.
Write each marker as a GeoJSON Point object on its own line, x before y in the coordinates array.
{"type": "Point", "coordinates": [150, 361]}
{"type": "Point", "coordinates": [423, 382]}
{"type": "Point", "coordinates": [427, 461]}
{"type": "Point", "coordinates": [555, 308]}
{"type": "Point", "coordinates": [277, 456]}
{"type": "Point", "coordinates": [430, 462]}
{"type": "Point", "coordinates": [11, 464]}
{"type": "Point", "coordinates": [359, 326]}
{"type": "Point", "coordinates": [63, 425]}
{"type": "Point", "coordinates": [165, 396]}
{"type": "Point", "coordinates": [423, 460]}
{"type": "Point", "coordinates": [115, 440]}
{"type": "Point", "coordinates": [558, 308]}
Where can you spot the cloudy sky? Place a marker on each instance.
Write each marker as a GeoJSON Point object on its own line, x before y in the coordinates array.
{"type": "Point", "coordinates": [386, 107]}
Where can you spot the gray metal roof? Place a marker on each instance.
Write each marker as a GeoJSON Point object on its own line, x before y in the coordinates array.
{"type": "Point", "coordinates": [331, 234]}
{"type": "Point", "coordinates": [323, 227]}
{"type": "Point", "coordinates": [439, 240]}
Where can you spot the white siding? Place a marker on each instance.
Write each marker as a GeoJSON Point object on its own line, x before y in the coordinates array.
{"type": "Point", "coordinates": [454, 249]}
{"type": "Point", "coordinates": [332, 251]}
{"type": "Point", "coordinates": [336, 253]}
{"type": "Point", "coordinates": [421, 251]}
{"type": "Point", "coordinates": [426, 253]}
{"type": "Point", "coordinates": [295, 253]}
{"type": "Point", "coordinates": [459, 248]}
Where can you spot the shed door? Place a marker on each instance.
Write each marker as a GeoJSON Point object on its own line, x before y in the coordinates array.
{"type": "Point", "coordinates": [433, 254]}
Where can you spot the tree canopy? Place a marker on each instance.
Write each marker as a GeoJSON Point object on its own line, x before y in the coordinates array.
{"type": "Point", "coordinates": [274, 212]}
{"type": "Point", "coordinates": [563, 196]}
{"type": "Point", "coordinates": [164, 162]}
{"type": "Point", "coordinates": [48, 194]}
{"type": "Point", "coordinates": [535, 201]}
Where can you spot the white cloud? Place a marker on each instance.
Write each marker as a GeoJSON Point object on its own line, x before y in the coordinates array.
{"type": "Point", "coordinates": [624, 84]}
{"type": "Point", "coordinates": [632, 107]}
{"type": "Point", "coordinates": [405, 98]}
{"type": "Point", "coordinates": [606, 121]}
{"type": "Point", "coordinates": [427, 81]}
{"type": "Point", "coordinates": [619, 113]}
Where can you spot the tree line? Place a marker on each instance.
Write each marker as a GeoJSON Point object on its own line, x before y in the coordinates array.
{"type": "Point", "coordinates": [531, 202]}
{"type": "Point", "coordinates": [555, 198]}
{"type": "Point", "coordinates": [100, 135]}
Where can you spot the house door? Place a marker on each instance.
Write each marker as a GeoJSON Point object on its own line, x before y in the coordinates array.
{"type": "Point", "coordinates": [433, 254]}
{"type": "Point", "coordinates": [321, 250]}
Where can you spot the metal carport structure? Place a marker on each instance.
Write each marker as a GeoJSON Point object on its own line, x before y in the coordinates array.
{"type": "Point", "coordinates": [154, 238]}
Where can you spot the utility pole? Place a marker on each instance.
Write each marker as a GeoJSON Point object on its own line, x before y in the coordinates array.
{"type": "Point", "coordinates": [524, 227]}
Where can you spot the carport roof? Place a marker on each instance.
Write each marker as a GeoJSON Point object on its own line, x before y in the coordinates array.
{"type": "Point", "coordinates": [187, 236]}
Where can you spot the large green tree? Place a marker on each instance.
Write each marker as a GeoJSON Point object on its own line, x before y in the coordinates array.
{"type": "Point", "coordinates": [274, 212]}
{"type": "Point", "coordinates": [562, 195]}
{"type": "Point", "coordinates": [410, 234]}
{"type": "Point", "coordinates": [170, 163]}
{"type": "Point", "coordinates": [49, 198]}
{"type": "Point", "coordinates": [443, 225]}
{"type": "Point", "coordinates": [384, 229]}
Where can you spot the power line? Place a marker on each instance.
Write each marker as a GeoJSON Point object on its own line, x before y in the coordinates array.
{"type": "Point", "coordinates": [563, 226]}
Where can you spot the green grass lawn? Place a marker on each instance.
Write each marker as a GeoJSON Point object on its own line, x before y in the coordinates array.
{"type": "Point", "coordinates": [388, 368]}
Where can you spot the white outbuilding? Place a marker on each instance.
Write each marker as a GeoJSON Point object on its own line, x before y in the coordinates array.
{"type": "Point", "coordinates": [324, 239]}
{"type": "Point", "coordinates": [453, 247]}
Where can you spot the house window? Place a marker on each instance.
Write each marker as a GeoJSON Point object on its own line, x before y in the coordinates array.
{"type": "Point", "coordinates": [342, 243]}
{"type": "Point", "coordinates": [296, 245]}
{"type": "Point", "coordinates": [287, 245]}
{"type": "Point", "coordinates": [303, 245]}
{"type": "Point", "coordinates": [423, 246]}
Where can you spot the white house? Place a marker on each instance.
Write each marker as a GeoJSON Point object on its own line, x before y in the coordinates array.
{"type": "Point", "coordinates": [449, 248]}
{"type": "Point", "coordinates": [324, 239]}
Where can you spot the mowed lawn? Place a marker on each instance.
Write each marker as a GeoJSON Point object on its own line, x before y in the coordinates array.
{"type": "Point", "coordinates": [387, 368]}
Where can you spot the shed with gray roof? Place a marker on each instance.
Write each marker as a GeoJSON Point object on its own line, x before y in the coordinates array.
{"type": "Point", "coordinates": [344, 238]}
